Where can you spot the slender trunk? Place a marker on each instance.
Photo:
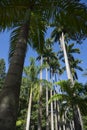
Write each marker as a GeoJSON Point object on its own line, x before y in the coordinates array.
{"type": "Point", "coordinates": [77, 114]}
{"type": "Point", "coordinates": [9, 97]}
{"type": "Point", "coordinates": [77, 118]}
{"type": "Point", "coordinates": [69, 75]}
{"type": "Point", "coordinates": [40, 102]}
{"type": "Point", "coordinates": [52, 120]}
{"type": "Point", "coordinates": [55, 108]}
{"type": "Point", "coordinates": [63, 119]}
{"type": "Point", "coordinates": [47, 107]}
{"type": "Point", "coordinates": [59, 122]}
{"type": "Point", "coordinates": [29, 111]}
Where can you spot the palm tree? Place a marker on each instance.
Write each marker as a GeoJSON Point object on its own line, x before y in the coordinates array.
{"type": "Point", "coordinates": [63, 30]}
{"type": "Point", "coordinates": [40, 101]}
{"type": "Point", "coordinates": [71, 97]}
{"type": "Point", "coordinates": [72, 61]}
{"type": "Point", "coordinates": [31, 72]}
{"type": "Point", "coordinates": [20, 15]}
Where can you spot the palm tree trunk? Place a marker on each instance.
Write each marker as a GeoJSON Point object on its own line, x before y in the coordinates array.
{"type": "Point", "coordinates": [63, 119]}
{"type": "Point", "coordinates": [9, 97]}
{"type": "Point", "coordinates": [52, 120]}
{"type": "Point", "coordinates": [58, 109]}
{"type": "Point", "coordinates": [69, 75]}
{"type": "Point", "coordinates": [56, 120]}
{"type": "Point", "coordinates": [29, 111]}
{"type": "Point", "coordinates": [40, 102]}
{"type": "Point", "coordinates": [77, 118]}
{"type": "Point", "coordinates": [77, 113]}
{"type": "Point", "coordinates": [47, 107]}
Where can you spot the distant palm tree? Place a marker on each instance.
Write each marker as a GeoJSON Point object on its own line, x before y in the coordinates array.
{"type": "Point", "coordinates": [72, 97]}
{"type": "Point", "coordinates": [34, 83]}
{"type": "Point", "coordinates": [67, 26]}
{"type": "Point", "coordinates": [72, 61]}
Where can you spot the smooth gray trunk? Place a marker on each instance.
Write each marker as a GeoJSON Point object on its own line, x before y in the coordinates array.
{"type": "Point", "coordinates": [55, 115]}
{"type": "Point", "coordinates": [51, 105]}
{"type": "Point", "coordinates": [63, 119]}
{"type": "Point", "coordinates": [29, 111]}
{"type": "Point", "coordinates": [58, 109]}
{"type": "Point", "coordinates": [77, 115]}
{"type": "Point", "coordinates": [47, 106]}
{"type": "Point", "coordinates": [69, 75]}
{"type": "Point", "coordinates": [52, 119]}
{"type": "Point", "coordinates": [40, 101]}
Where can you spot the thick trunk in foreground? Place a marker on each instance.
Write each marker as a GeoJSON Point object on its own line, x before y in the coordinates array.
{"type": "Point", "coordinates": [9, 97]}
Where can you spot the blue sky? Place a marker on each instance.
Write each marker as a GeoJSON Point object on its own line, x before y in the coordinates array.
{"type": "Point", "coordinates": [4, 50]}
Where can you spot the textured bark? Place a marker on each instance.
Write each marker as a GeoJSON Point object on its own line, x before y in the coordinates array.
{"type": "Point", "coordinates": [9, 97]}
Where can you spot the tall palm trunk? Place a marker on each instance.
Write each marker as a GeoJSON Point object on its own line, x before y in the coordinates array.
{"type": "Point", "coordinates": [59, 119]}
{"type": "Point", "coordinates": [78, 123]}
{"type": "Point", "coordinates": [52, 120]}
{"type": "Point", "coordinates": [69, 75]}
{"type": "Point", "coordinates": [47, 107]}
{"type": "Point", "coordinates": [40, 102]}
{"type": "Point", "coordinates": [56, 120]}
{"type": "Point", "coordinates": [29, 111]}
{"type": "Point", "coordinates": [9, 97]}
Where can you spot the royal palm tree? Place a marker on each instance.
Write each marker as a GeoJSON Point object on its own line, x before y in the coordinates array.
{"type": "Point", "coordinates": [63, 30]}
{"type": "Point", "coordinates": [31, 73]}
{"type": "Point", "coordinates": [73, 63]}
{"type": "Point", "coordinates": [71, 97]}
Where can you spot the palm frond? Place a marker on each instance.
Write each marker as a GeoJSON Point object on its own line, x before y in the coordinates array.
{"type": "Point", "coordinates": [13, 41]}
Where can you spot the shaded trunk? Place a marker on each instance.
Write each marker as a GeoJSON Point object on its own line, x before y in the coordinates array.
{"type": "Point", "coordinates": [40, 102]}
{"type": "Point", "coordinates": [9, 97]}
{"type": "Point", "coordinates": [47, 107]}
{"type": "Point", "coordinates": [78, 124]}
{"type": "Point", "coordinates": [29, 111]}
